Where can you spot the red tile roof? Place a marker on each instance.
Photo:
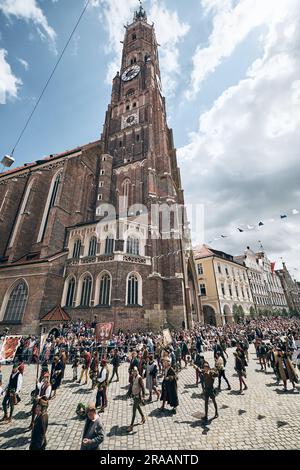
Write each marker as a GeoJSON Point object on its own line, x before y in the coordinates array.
{"type": "Point", "coordinates": [56, 314]}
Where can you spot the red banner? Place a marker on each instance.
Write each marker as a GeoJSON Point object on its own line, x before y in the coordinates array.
{"type": "Point", "coordinates": [104, 331]}
{"type": "Point", "coordinates": [9, 348]}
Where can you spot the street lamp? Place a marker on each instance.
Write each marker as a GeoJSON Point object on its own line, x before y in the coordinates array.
{"type": "Point", "coordinates": [6, 162]}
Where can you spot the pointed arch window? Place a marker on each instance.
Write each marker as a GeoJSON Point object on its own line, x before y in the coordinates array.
{"type": "Point", "coordinates": [70, 292]}
{"type": "Point", "coordinates": [77, 249]}
{"type": "Point", "coordinates": [52, 198]}
{"type": "Point", "coordinates": [16, 303]}
{"type": "Point", "coordinates": [93, 246]}
{"type": "Point", "coordinates": [133, 290]}
{"type": "Point", "coordinates": [133, 246]}
{"type": "Point", "coordinates": [109, 245]}
{"type": "Point", "coordinates": [126, 192]}
{"type": "Point", "coordinates": [86, 291]}
{"type": "Point", "coordinates": [105, 287]}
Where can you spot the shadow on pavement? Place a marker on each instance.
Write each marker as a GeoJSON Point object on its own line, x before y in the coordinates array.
{"type": "Point", "coordinates": [197, 395]}
{"type": "Point", "coordinates": [120, 397]}
{"type": "Point", "coordinates": [16, 443]}
{"type": "Point", "coordinates": [281, 391]}
{"type": "Point", "coordinates": [83, 391]}
{"type": "Point", "coordinates": [118, 431]}
{"type": "Point", "coordinates": [12, 432]}
{"type": "Point", "coordinates": [161, 414]}
{"type": "Point", "coordinates": [22, 415]}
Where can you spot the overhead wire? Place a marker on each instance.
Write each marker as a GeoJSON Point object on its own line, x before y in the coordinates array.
{"type": "Point", "coordinates": [50, 77]}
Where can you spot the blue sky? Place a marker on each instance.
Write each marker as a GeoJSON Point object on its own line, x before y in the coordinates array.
{"type": "Point", "coordinates": [233, 100]}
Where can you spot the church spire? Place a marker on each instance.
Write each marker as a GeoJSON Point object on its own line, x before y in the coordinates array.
{"type": "Point", "coordinates": [141, 14]}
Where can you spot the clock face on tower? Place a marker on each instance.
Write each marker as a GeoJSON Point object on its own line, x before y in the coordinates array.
{"type": "Point", "coordinates": [130, 120]}
{"type": "Point", "coordinates": [131, 73]}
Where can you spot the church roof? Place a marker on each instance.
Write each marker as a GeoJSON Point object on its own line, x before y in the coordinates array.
{"type": "Point", "coordinates": [47, 159]}
{"type": "Point", "coordinates": [56, 314]}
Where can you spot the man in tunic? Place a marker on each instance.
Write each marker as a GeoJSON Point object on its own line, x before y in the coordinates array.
{"type": "Point", "coordinates": [209, 392]}
{"type": "Point", "coordinates": [151, 380]}
{"type": "Point", "coordinates": [138, 393]}
{"type": "Point", "coordinates": [102, 381]}
{"type": "Point", "coordinates": [12, 390]}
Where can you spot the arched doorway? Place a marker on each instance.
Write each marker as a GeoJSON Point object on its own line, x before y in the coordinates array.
{"type": "Point", "coordinates": [54, 332]}
{"type": "Point", "coordinates": [209, 315]}
{"type": "Point", "coordinates": [227, 313]}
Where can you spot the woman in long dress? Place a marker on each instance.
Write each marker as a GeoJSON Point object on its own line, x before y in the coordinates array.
{"type": "Point", "coordinates": [286, 369]}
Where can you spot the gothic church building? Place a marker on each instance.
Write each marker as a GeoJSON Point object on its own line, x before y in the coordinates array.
{"type": "Point", "coordinates": [63, 248]}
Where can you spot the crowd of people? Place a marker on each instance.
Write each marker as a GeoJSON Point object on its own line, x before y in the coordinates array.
{"type": "Point", "coordinates": [154, 365]}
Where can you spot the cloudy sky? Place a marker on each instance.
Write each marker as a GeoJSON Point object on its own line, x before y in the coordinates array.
{"type": "Point", "coordinates": [231, 70]}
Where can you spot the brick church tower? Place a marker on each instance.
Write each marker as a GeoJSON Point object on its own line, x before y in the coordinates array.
{"type": "Point", "coordinates": [101, 230]}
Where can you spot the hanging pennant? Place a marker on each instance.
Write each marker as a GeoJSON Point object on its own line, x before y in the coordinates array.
{"type": "Point", "coordinates": [261, 224]}
{"type": "Point", "coordinates": [295, 212]}
{"type": "Point", "coordinates": [240, 230]}
{"type": "Point", "coordinates": [283, 217]}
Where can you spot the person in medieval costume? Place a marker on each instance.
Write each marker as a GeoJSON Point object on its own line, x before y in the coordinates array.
{"type": "Point", "coordinates": [133, 363]}
{"type": "Point", "coordinates": [286, 369]}
{"type": "Point", "coordinates": [138, 393]}
{"type": "Point", "coordinates": [40, 425]}
{"type": "Point", "coordinates": [56, 375]}
{"type": "Point", "coordinates": [151, 377]}
{"type": "Point", "coordinates": [169, 387]}
{"type": "Point", "coordinates": [102, 383]}
{"type": "Point", "coordinates": [75, 364]}
{"type": "Point", "coordinates": [63, 359]}
{"type": "Point", "coordinates": [94, 369]}
{"type": "Point", "coordinates": [209, 391]}
{"type": "Point", "coordinates": [43, 391]}
{"type": "Point", "coordinates": [12, 391]}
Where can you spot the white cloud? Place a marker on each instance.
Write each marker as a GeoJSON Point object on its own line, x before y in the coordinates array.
{"type": "Point", "coordinates": [115, 14]}
{"type": "Point", "coordinates": [232, 22]}
{"type": "Point", "coordinates": [24, 63]}
{"type": "Point", "coordinates": [28, 10]}
{"type": "Point", "coordinates": [169, 31]}
{"type": "Point", "coordinates": [9, 83]}
{"type": "Point", "coordinates": [245, 154]}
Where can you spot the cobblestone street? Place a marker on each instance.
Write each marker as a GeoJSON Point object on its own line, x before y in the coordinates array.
{"type": "Point", "coordinates": [264, 417]}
